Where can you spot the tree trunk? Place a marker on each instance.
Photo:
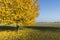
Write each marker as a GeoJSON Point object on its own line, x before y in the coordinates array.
{"type": "Point", "coordinates": [17, 28]}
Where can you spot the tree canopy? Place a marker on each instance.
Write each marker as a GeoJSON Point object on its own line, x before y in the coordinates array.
{"type": "Point", "coordinates": [18, 12]}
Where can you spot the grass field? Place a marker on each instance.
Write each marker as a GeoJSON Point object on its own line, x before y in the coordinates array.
{"type": "Point", "coordinates": [48, 24]}
{"type": "Point", "coordinates": [30, 33]}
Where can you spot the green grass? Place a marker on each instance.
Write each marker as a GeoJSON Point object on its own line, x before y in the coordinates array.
{"type": "Point", "coordinates": [29, 33]}
{"type": "Point", "coordinates": [34, 34]}
{"type": "Point", "coordinates": [49, 24]}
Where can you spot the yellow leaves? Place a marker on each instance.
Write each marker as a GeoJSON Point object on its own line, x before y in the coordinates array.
{"type": "Point", "coordinates": [2, 9]}
{"type": "Point", "coordinates": [20, 24]}
{"type": "Point", "coordinates": [7, 1]}
{"type": "Point", "coordinates": [8, 35]}
{"type": "Point", "coordinates": [19, 12]}
{"type": "Point", "coordinates": [15, 24]}
{"type": "Point", "coordinates": [7, 22]}
{"type": "Point", "coordinates": [0, 21]}
{"type": "Point", "coordinates": [30, 22]}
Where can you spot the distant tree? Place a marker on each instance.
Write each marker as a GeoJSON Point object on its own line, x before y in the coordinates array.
{"type": "Point", "coordinates": [18, 12]}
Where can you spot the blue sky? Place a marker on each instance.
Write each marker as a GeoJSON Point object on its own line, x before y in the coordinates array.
{"type": "Point", "coordinates": [49, 11]}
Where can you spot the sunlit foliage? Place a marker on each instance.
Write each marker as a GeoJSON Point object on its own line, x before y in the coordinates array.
{"type": "Point", "coordinates": [18, 12]}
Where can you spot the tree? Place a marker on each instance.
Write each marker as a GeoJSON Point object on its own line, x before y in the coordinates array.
{"type": "Point", "coordinates": [18, 12]}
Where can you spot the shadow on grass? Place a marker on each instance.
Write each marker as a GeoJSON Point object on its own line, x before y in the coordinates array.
{"type": "Point", "coordinates": [3, 28]}
{"type": "Point", "coordinates": [43, 28]}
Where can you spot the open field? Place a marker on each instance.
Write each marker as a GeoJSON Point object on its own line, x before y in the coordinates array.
{"type": "Point", "coordinates": [42, 31]}
{"type": "Point", "coordinates": [48, 24]}
{"type": "Point", "coordinates": [30, 33]}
